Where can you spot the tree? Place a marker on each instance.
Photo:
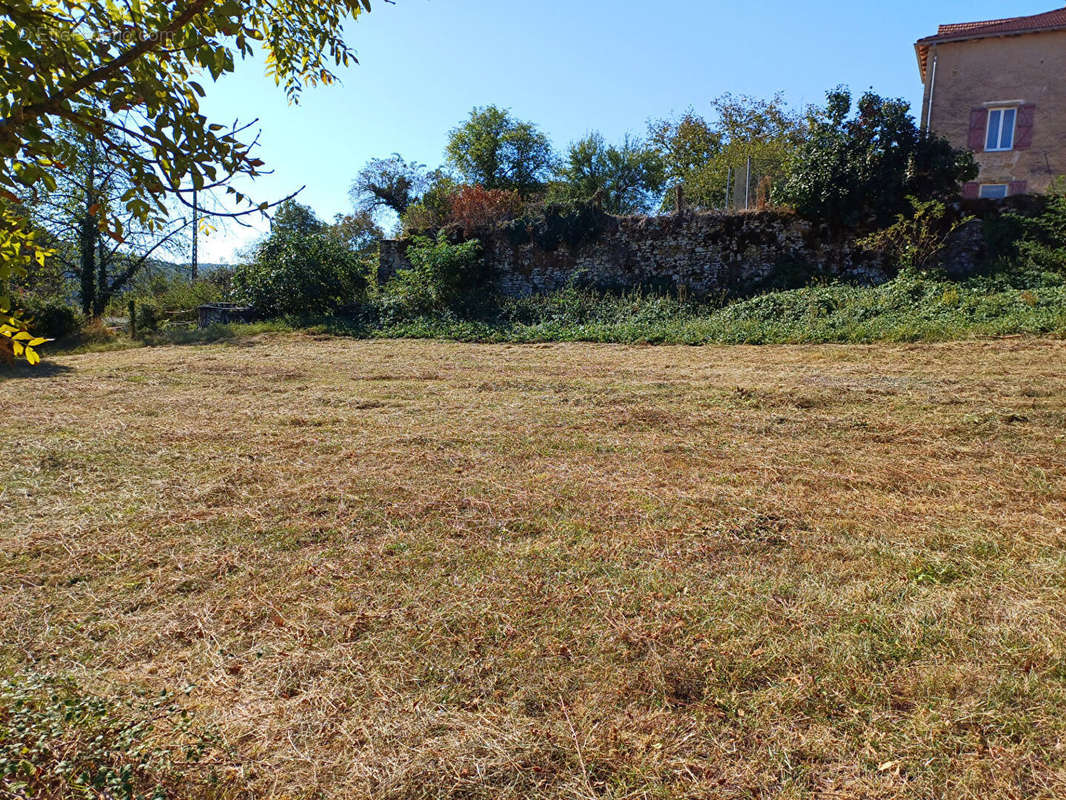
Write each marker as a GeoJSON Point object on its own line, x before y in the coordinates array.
{"type": "Point", "coordinates": [136, 67]}
{"type": "Point", "coordinates": [495, 151]}
{"type": "Point", "coordinates": [294, 219]}
{"type": "Point", "coordinates": [685, 145]}
{"type": "Point", "coordinates": [861, 169]}
{"type": "Point", "coordinates": [358, 232]}
{"type": "Point", "coordinates": [71, 214]}
{"type": "Point", "coordinates": [628, 179]}
{"type": "Point", "coordinates": [701, 155]}
{"type": "Point", "coordinates": [301, 268]}
{"type": "Point", "coordinates": [434, 209]}
{"type": "Point", "coordinates": [392, 183]}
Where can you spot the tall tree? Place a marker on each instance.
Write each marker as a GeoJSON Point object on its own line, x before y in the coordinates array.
{"type": "Point", "coordinates": [391, 183]}
{"type": "Point", "coordinates": [627, 179]}
{"type": "Point", "coordinates": [494, 150]}
{"type": "Point", "coordinates": [293, 219]}
{"type": "Point", "coordinates": [89, 187]}
{"type": "Point", "coordinates": [685, 145]}
{"type": "Point", "coordinates": [138, 67]}
{"type": "Point", "coordinates": [358, 232]}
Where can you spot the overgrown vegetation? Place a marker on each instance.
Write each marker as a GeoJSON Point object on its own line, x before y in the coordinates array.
{"type": "Point", "coordinates": [302, 265]}
{"type": "Point", "coordinates": [443, 277]}
{"type": "Point", "coordinates": [909, 308]}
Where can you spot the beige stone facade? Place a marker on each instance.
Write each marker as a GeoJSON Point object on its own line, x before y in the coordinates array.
{"type": "Point", "coordinates": [1004, 97]}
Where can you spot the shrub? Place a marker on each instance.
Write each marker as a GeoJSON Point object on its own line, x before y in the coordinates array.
{"type": "Point", "coordinates": [171, 292]}
{"type": "Point", "coordinates": [1043, 242]}
{"type": "Point", "coordinates": [916, 241]}
{"type": "Point", "coordinates": [475, 209]}
{"type": "Point", "coordinates": [441, 275]}
{"type": "Point", "coordinates": [54, 319]}
{"type": "Point", "coordinates": [300, 274]}
{"type": "Point", "coordinates": [148, 317]}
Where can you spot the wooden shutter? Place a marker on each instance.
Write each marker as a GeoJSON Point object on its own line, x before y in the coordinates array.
{"type": "Point", "coordinates": [971, 190]}
{"type": "Point", "coordinates": [1023, 129]}
{"type": "Point", "coordinates": [978, 128]}
{"type": "Point", "coordinates": [1017, 187]}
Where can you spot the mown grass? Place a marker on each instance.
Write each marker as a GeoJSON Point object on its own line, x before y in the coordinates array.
{"type": "Point", "coordinates": [408, 569]}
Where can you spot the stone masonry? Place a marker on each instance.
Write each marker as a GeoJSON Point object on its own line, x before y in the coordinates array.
{"type": "Point", "coordinates": [699, 253]}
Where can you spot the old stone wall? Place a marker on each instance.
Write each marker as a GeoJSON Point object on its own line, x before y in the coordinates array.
{"type": "Point", "coordinates": [702, 253]}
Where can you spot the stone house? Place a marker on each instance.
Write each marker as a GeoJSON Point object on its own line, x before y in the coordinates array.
{"type": "Point", "coordinates": [999, 88]}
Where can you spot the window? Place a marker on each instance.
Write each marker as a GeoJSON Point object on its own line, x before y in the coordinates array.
{"type": "Point", "coordinates": [1001, 129]}
{"type": "Point", "coordinates": [993, 191]}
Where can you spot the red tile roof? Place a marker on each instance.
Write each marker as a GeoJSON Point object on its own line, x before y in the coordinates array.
{"type": "Point", "coordinates": [1013, 26]}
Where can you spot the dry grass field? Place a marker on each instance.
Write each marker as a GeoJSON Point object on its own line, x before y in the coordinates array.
{"type": "Point", "coordinates": [434, 570]}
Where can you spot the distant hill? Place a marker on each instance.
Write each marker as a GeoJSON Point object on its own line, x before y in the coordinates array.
{"type": "Point", "coordinates": [161, 266]}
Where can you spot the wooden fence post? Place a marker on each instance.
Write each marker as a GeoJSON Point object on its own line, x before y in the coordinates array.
{"type": "Point", "coordinates": [133, 319]}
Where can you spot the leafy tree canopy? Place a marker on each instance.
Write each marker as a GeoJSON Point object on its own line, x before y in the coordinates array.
{"type": "Point", "coordinates": [392, 183]}
{"type": "Point", "coordinates": [303, 267]}
{"type": "Point", "coordinates": [494, 150]}
{"type": "Point", "coordinates": [860, 169]}
{"type": "Point", "coordinates": [700, 154]}
{"type": "Point", "coordinates": [686, 144]}
{"type": "Point", "coordinates": [292, 218]}
{"type": "Point", "coordinates": [137, 68]}
{"type": "Point", "coordinates": [627, 179]}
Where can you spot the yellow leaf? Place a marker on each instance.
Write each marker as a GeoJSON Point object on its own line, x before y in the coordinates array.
{"type": "Point", "coordinates": [23, 336]}
{"type": "Point", "coordinates": [32, 358]}
{"type": "Point", "coordinates": [38, 342]}
{"type": "Point", "coordinates": [18, 348]}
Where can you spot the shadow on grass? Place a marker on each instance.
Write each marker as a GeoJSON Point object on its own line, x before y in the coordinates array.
{"type": "Point", "coordinates": [21, 370]}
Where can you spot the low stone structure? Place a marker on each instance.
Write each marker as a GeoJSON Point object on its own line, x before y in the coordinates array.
{"type": "Point", "coordinates": [700, 253]}
{"type": "Point", "coordinates": [224, 314]}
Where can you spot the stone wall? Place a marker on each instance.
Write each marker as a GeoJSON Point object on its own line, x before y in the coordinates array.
{"type": "Point", "coordinates": [701, 253]}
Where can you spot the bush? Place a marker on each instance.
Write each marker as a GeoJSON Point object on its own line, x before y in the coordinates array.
{"type": "Point", "coordinates": [148, 317]}
{"type": "Point", "coordinates": [440, 278]}
{"type": "Point", "coordinates": [1043, 242]}
{"type": "Point", "coordinates": [477, 210]}
{"type": "Point", "coordinates": [915, 242]}
{"type": "Point", "coordinates": [300, 274]}
{"type": "Point", "coordinates": [53, 319]}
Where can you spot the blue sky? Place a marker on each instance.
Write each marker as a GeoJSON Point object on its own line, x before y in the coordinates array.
{"type": "Point", "coordinates": [571, 67]}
